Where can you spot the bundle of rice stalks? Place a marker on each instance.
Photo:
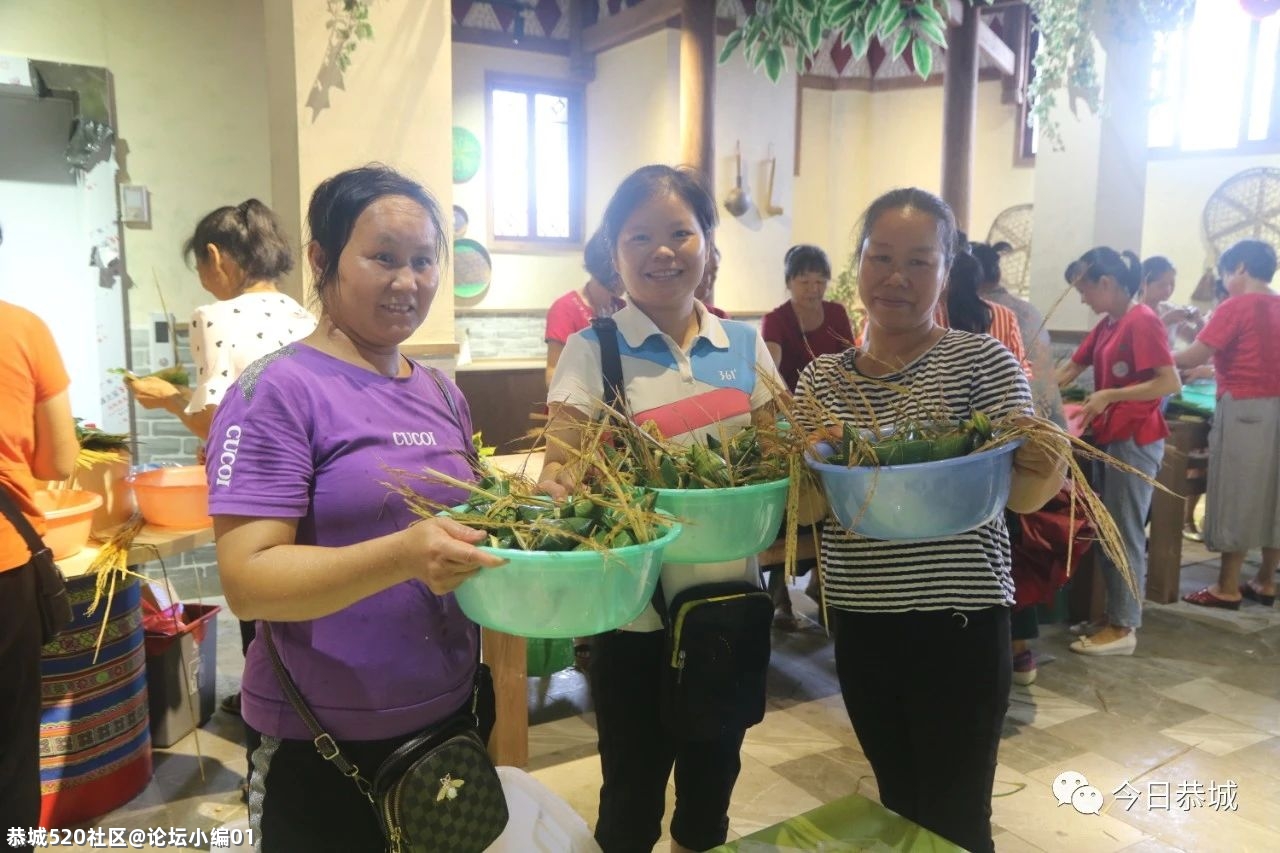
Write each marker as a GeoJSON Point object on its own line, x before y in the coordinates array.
{"type": "Point", "coordinates": [609, 515]}
{"type": "Point", "coordinates": [111, 566]}
{"type": "Point", "coordinates": [638, 454]}
{"type": "Point", "coordinates": [98, 447]}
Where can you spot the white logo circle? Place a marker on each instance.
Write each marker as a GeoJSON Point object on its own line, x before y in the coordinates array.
{"type": "Point", "coordinates": [1120, 369]}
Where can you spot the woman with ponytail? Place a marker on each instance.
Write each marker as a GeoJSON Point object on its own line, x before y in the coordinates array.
{"type": "Point", "coordinates": [241, 253]}
{"type": "Point", "coordinates": [1133, 370]}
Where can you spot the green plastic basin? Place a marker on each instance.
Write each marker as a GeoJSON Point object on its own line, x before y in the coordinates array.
{"type": "Point", "coordinates": [724, 524]}
{"type": "Point", "coordinates": [565, 593]}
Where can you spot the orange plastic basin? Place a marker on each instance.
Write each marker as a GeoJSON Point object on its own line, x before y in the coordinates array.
{"type": "Point", "coordinates": [173, 497]}
{"type": "Point", "coordinates": [68, 515]}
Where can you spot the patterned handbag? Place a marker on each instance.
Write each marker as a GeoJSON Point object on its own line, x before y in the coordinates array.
{"type": "Point", "coordinates": [438, 793]}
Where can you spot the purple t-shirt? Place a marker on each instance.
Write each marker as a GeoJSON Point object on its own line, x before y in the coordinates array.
{"type": "Point", "coordinates": [305, 435]}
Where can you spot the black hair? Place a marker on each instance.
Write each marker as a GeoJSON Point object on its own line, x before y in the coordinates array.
{"type": "Point", "coordinates": [1154, 267]}
{"type": "Point", "coordinates": [1002, 247]}
{"type": "Point", "coordinates": [805, 258]}
{"type": "Point", "coordinates": [338, 202]}
{"type": "Point", "coordinates": [1220, 292]}
{"type": "Point", "coordinates": [250, 234]}
{"type": "Point", "coordinates": [988, 257]}
{"type": "Point", "coordinates": [1073, 271]}
{"type": "Point", "coordinates": [1259, 259]}
{"type": "Point", "coordinates": [596, 259]}
{"type": "Point", "coordinates": [920, 200]}
{"type": "Point", "coordinates": [647, 182]}
{"type": "Point", "coordinates": [1124, 267]}
{"type": "Point", "coordinates": [965, 309]}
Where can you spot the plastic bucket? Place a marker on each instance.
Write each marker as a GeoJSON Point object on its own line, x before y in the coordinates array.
{"type": "Point", "coordinates": [926, 500]}
{"type": "Point", "coordinates": [565, 593]}
{"type": "Point", "coordinates": [68, 516]}
{"type": "Point", "coordinates": [173, 497]}
{"type": "Point", "coordinates": [724, 524]}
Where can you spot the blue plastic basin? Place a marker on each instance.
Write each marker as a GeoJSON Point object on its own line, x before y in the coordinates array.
{"type": "Point", "coordinates": [922, 501]}
{"type": "Point", "coordinates": [565, 593]}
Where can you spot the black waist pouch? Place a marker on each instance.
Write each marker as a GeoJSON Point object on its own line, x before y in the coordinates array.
{"type": "Point", "coordinates": [716, 659]}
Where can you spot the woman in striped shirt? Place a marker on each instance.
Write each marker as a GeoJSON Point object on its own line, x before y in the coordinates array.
{"type": "Point", "coordinates": [932, 742]}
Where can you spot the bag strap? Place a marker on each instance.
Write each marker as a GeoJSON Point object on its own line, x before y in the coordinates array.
{"type": "Point", "coordinates": [615, 393]}
{"type": "Point", "coordinates": [9, 508]}
{"type": "Point", "coordinates": [473, 455]}
{"type": "Point", "coordinates": [324, 742]}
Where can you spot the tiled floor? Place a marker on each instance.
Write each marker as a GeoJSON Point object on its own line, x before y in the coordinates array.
{"type": "Point", "coordinates": [1197, 706]}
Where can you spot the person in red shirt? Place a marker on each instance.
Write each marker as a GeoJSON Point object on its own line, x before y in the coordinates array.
{"type": "Point", "coordinates": [601, 296]}
{"type": "Point", "coordinates": [806, 325]}
{"type": "Point", "coordinates": [37, 442]}
{"type": "Point", "coordinates": [1243, 510]}
{"type": "Point", "coordinates": [1132, 371]}
{"type": "Point", "coordinates": [796, 332]}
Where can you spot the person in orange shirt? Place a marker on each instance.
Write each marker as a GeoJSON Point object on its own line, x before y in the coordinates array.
{"type": "Point", "coordinates": [37, 442]}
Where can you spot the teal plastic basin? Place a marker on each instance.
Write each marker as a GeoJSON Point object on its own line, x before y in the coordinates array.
{"type": "Point", "coordinates": [724, 524]}
{"type": "Point", "coordinates": [565, 593]}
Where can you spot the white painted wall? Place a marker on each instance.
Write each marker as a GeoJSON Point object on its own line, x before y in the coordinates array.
{"type": "Point", "coordinates": [1177, 192]}
{"type": "Point", "coordinates": [44, 260]}
{"type": "Point", "coordinates": [191, 96]}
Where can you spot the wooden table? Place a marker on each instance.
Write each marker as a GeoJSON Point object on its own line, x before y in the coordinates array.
{"type": "Point", "coordinates": [151, 543]}
{"type": "Point", "coordinates": [506, 656]}
{"type": "Point", "coordinates": [1187, 439]}
{"type": "Point", "coordinates": [1164, 555]}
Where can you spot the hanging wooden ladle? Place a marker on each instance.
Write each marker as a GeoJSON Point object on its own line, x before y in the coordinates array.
{"type": "Point", "coordinates": [769, 208]}
{"type": "Point", "coordinates": [737, 202]}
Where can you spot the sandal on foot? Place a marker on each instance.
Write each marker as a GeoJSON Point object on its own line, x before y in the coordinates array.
{"type": "Point", "coordinates": [1249, 591]}
{"type": "Point", "coordinates": [1206, 598]}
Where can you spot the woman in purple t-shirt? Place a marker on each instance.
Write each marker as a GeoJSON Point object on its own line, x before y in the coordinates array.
{"type": "Point", "coordinates": [310, 539]}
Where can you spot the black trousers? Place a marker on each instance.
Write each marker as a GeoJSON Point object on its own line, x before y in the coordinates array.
{"type": "Point", "coordinates": [927, 692]}
{"type": "Point", "coordinates": [637, 754]}
{"type": "Point", "coordinates": [19, 700]}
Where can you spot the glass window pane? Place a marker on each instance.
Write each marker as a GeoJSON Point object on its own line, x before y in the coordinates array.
{"type": "Point", "coordinates": [1264, 77]}
{"type": "Point", "coordinates": [1213, 97]}
{"type": "Point", "coordinates": [551, 178]}
{"type": "Point", "coordinates": [510, 159]}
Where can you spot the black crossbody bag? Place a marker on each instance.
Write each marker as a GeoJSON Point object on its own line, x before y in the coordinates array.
{"type": "Point", "coordinates": [51, 587]}
{"type": "Point", "coordinates": [718, 635]}
{"type": "Point", "coordinates": [439, 791]}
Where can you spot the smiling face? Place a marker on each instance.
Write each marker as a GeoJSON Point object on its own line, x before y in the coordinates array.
{"type": "Point", "coordinates": [387, 274]}
{"type": "Point", "coordinates": [902, 269]}
{"type": "Point", "coordinates": [660, 254]}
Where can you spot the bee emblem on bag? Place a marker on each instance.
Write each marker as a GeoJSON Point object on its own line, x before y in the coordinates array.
{"type": "Point", "coordinates": [449, 788]}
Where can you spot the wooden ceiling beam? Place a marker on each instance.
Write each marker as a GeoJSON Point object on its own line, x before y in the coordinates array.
{"type": "Point", "coordinates": [1000, 54]}
{"type": "Point", "coordinates": [631, 23]}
